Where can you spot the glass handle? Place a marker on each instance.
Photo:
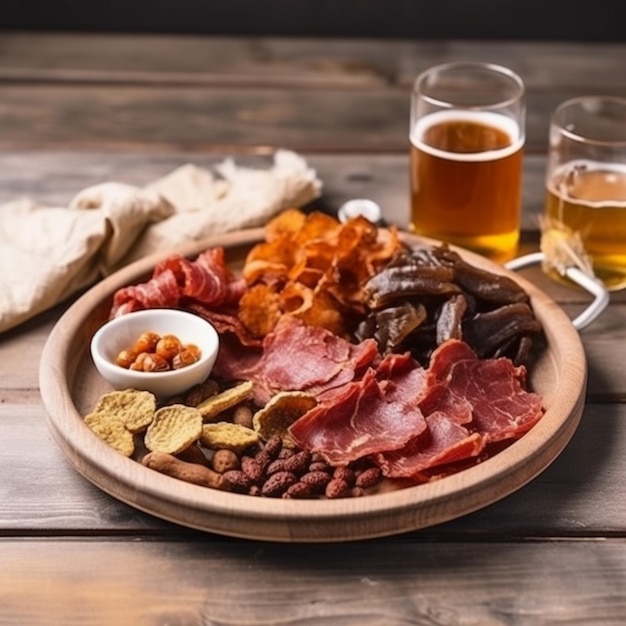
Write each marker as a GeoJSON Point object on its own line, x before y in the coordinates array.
{"type": "Point", "coordinates": [589, 284]}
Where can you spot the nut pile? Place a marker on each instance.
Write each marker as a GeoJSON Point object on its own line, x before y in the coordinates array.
{"type": "Point", "coordinates": [214, 438]}
{"type": "Point", "coordinates": [275, 471]}
{"type": "Point", "coordinates": [152, 352]}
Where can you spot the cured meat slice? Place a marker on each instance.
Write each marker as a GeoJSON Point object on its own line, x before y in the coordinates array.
{"type": "Point", "coordinates": [159, 292]}
{"type": "Point", "coordinates": [444, 441]}
{"type": "Point", "coordinates": [501, 408]}
{"type": "Point", "coordinates": [177, 281]}
{"type": "Point", "coordinates": [235, 360]}
{"type": "Point", "coordinates": [298, 357]}
{"type": "Point", "coordinates": [226, 321]}
{"type": "Point", "coordinates": [363, 418]}
{"type": "Point", "coordinates": [469, 403]}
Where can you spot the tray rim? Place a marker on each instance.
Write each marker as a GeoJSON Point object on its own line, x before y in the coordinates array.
{"type": "Point", "coordinates": [304, 521]}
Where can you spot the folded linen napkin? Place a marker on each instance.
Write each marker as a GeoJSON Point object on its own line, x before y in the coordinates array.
{"type": "Point", "coordinates": [50, 253]}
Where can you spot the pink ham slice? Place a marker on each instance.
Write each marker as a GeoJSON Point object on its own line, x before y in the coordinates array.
{"type": "Point", "coordinates": [298, 357]}
{"type": "Point", "coordinates": [159, 292]}
{"type": "Point", "coordinates": [365, 416]}
{"type": "Point", "coordinates": [444, 441]}
{"type": "Point", "coordinates": [501, 408]}
{"type": "Point", "coordinates": [470, 402]}
{"type": "Point", "coordinates": [177, 281]}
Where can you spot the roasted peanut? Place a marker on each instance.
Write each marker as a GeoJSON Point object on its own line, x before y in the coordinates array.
{"type": "Point", "coordinates": [242, 415]}
{"type": "Point", "coordinates": [346, 474]}
{"type": "Point", "coordinates": [277, 484]}
{"type": "Point", "coordinates": [225, 460]}
{"type": "Point", "coordinates": [317, 480]}
{"type": "Point", "coordinates": [298, 490]}
{"type": "Point", "coordinates": [273, 446]}
{"type": "Point", "coordinates": [237, 481]}
{"type": "Point", "coordinates": [368, 478]}
{"type": "Point", "coordinates": [153, 353]}
{"type": "Point", "coordinates": [337, 488]}
{"type": "Point", "coordinates": [252, 468]}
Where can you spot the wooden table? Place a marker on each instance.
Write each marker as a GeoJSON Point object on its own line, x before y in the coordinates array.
{"type": "Point", "coordinates": [78, 110]}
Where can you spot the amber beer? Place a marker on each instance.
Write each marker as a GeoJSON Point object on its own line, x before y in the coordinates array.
{"type": "Point", "coordinates": [589, 199]}
{"type": "Point", "coordinates": [466, 179]}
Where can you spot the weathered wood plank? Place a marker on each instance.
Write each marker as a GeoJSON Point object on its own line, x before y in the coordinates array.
{"type": "Point", "coordinates": [201, 118]}
{"type": "Point", "coordinates": [116, 91]}
{"type": "Point", "coordinates": [580, 493]}
{"type": "Point", "coordinates": [368, 584]}
{"type": "Point", "coordinates": [54, 177]}
{"type": "Point", "coordinates": [290, 62]}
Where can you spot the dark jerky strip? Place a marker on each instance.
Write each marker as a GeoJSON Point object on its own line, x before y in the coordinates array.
{"type": "Point", "coordinates": [481, 283]}
{"type": "Point", "coordinates": [450, 320]}
{"type": "Point", "coordinates": [487, 332]}
{"type": "Point", "coordinates": [409, 280]}
{"type": "Point", "coordinates": [391, 326]}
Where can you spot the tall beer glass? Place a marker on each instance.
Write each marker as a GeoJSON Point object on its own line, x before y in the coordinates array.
{"type": "Point", "coordinates": [467, 132]}
{"type": "Point", "coordinates": [586, 184]}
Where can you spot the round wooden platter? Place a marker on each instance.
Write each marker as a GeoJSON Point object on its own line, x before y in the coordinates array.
{"type": "Point", "coordinates": [70, 387]}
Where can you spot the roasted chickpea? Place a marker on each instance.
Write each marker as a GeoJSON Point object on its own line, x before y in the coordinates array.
{"type": "Point", "coordinates": [153, 353]}
{"type": "Point", "coordinates": [126, 358]}
{"type": "Point", "coordinates": [137, 364]}
{"type": "Point", "coordinates": [168, 347]}
{"type": "Point", "coordinates": [185, 357]}
{"type": "Point", "coordinates": [193, 349]}
{"type": "Point", "coordinates": [155, 363]}
{"type": "Point", "coordinates": [147, 342]}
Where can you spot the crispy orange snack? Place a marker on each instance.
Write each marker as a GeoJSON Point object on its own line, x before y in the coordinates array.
{"type": "Point", "coordinates": [260, 309]}
{"type": "Point", "coordinates": [313, 267]}
{"type": "Point", "coordinates": [285, 225]}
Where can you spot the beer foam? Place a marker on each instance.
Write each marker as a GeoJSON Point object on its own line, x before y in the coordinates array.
{"type": "Point", "coordinates": [502, 122]}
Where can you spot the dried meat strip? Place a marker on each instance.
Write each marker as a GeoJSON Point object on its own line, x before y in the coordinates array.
{"type": "Point", "coordinates": [365, 417]}
{"type": "Point", "coordinates": [501, 406]}
{"type": "Point", "coordinates": [159, 292]}
{"type": "Point", "coordinates": [443, 442]}
{"type": "Point", "coordinates": [299, 357]}
{"type": "Point", "coordinates": [469, 404]}
{"type": "Point", "coordinates": [177, 281]}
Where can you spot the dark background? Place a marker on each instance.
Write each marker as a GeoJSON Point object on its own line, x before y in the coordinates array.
{"type": "Point", "coordinates": [582, 20]}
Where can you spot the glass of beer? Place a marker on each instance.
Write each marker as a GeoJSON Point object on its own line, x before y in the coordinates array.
{"type": "Point", "coordinates": [586, 184]}
{"type": "Point", "coordinates": [467, 132]}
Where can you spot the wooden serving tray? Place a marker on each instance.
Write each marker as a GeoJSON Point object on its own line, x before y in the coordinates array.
{"type": "Point", "coordinates": [70, 386]}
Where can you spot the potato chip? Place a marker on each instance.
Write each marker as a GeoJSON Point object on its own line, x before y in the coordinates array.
{"type": "Point", "coordinates": [280, 413]}
{"type": "Point", "coordinates": [318, 226]}
{"type": "Point", "coordinates": [228, 436]}
{"type": "Point", "coordinates": [134, 409]}
{"type": "Point", "coordinates": [259, 309]}
{"type": "Point", "coordinates": [284, 225]}
{"type": "Point", "coordinates": [213, 406]}
{"type": "Point", "coordinates": [313, 267]}
{"type": "Point", "coordinates": [272, 259]}
{"type": "Point", "coordinates": [174, 428]}
{"type": "Point", "coordinates": [296, 298]}
{"type": "Point", "coordinates": [112, 431]}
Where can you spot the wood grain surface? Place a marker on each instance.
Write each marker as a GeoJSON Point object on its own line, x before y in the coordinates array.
{"type": "Point", "coordinates": [76, 110]}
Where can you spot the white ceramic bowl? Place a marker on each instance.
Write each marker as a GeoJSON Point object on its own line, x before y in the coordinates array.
{"type": "Point", "coordinates": [122, 333]}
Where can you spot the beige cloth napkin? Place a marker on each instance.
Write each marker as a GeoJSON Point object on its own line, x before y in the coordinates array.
{"type": "Point", "coordinates": [49, 253]}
